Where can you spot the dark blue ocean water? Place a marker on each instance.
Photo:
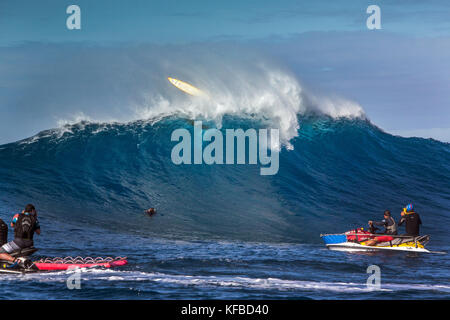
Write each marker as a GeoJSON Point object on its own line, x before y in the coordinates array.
{"type": "Point", "coordinates": [225, 232]}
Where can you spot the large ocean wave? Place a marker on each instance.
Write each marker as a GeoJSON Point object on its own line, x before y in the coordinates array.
{"type": "Point", "coordinates": [340, 173]}
{"type": "Point", "coordinates": [111, 156]}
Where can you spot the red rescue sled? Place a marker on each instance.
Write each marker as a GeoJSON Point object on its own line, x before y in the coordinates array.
{"type": "Point", "coordinates": [55, 264]}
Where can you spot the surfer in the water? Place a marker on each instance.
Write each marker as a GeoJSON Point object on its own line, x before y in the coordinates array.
{"type": "Point", "coordinates": [150, 212]}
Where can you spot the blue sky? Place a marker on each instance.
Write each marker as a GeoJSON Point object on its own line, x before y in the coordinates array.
{"type": "Point", "coordinates": [398, 74]}
{"type": "Point", "coordinates": [172, 21]}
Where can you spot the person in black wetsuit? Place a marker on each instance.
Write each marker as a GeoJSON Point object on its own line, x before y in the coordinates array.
{"type": "Point", "coordinates": [412, 221]}
{"type": "Point", "coordinates": [25, 225]}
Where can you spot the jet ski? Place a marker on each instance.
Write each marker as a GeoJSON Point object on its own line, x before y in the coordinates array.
{"type": "Point", "coordinates": [58, 264]}
{"type": "Point", "coordinates": [11, 267]}
{"type": "Point", "coordinates": [360, 240]}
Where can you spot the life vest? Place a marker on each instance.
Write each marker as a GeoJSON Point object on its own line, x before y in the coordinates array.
{"type": "Point", "coordinates": [24, 226]}
{"type": "Point", "coordinates": [413, 223]}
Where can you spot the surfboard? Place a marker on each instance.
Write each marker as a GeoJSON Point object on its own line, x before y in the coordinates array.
{"type": "Point", "coordinates": [186, 87]}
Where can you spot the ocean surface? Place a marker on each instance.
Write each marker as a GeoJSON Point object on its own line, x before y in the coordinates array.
{"type": "Point", "coordinates": [225, 231]}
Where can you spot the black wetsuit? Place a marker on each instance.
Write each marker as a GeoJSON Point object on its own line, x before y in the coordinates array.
{"type": "Point", "coordinates": [19, 242]}
{"type": "Point", "coordinates": [413, 223]}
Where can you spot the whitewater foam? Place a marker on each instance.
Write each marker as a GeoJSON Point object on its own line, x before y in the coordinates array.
{"type": "Point", "coordinates": [272, 96]}
{"type": "Point", "coordinates": [224, 281]}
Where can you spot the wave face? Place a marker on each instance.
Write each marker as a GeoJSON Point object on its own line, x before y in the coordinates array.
{"type": "Point", "coordinates": [340, 174]}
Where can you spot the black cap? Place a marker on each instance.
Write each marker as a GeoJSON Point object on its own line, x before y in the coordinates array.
{"type": "Point", "coordinates": [29, 208]}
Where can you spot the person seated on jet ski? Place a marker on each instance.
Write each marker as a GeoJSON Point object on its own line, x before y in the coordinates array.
{"type": "Point", "coordinates": [25, 224]}
{"type": "Point", "coordinates": [412, 221]}
{"type": "Point", "coordinates": [390, 228]}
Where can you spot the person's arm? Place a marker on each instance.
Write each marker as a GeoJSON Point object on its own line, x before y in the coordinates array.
{"type": "Point", "coordinates": [379, 223]}
{"type": "Point", "coordinates": [401, 221]}
{"type": "Point", "coordinates": [38, 231]}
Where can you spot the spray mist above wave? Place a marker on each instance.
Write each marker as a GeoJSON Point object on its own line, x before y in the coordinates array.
{"type": "Point", "coordinates": [76, 82]}
{"type": "Point", "coordinates": [260, 91]}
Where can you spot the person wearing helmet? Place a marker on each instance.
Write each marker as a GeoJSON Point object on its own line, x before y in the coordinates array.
{"type": "Point", "coordinates": [411, 219]}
